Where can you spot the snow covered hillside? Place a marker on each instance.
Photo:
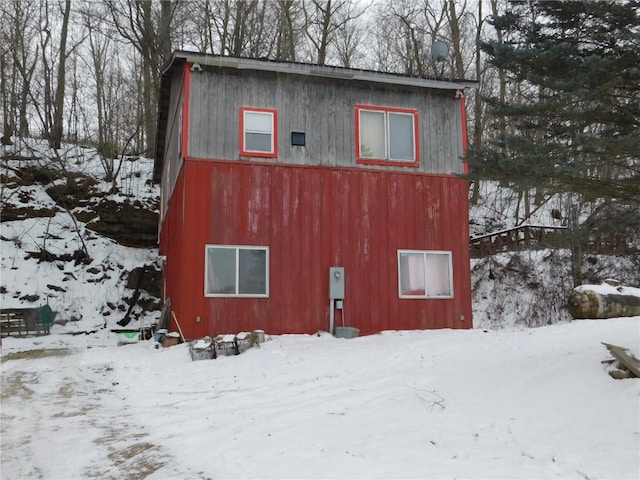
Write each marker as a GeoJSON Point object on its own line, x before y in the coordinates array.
{"type": "Point", "coordinates": [530, 287]}
{"type": "Point", "coordinates": [49, 255]}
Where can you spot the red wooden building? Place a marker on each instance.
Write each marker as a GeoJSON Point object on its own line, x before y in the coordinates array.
{"type": "Point", "coordinates": [297, 196]}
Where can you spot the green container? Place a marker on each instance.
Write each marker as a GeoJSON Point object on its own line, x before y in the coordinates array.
{"type": "Point", "coordinates": [128, 337]}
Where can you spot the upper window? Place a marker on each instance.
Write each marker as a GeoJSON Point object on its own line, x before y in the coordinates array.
{"type": "Point", "coordinates": [259, 132]}
{"type": "Point", "coordinates": [387, 136]}
{"type": "Point", "coordinates": [236, 271]}
{"type": "Point", "coordinates": [425, 274]}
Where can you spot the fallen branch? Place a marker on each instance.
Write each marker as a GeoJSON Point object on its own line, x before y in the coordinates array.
{"type": "Point", "coordinates": [439, 401]}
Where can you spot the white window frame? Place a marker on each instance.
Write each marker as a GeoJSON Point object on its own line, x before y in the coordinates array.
{"type": "Point", "coordinates": [271, 113]}
{"type": "Point", "coordinates": [427, 294]}
{"type": "Point", "coordinates": [387, 112]}
{"type": "Point", "coordinates": [237, 249]}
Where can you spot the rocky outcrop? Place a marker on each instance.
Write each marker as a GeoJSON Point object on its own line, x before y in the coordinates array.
{"type": "Point", "coordinates": [78, 190]}
{"type": "Point", "coordinates": [147, 278]}
{"type": "Point", "coordinates": [12, 212]}
{"type": "Point", "coordinates": [128, 224]}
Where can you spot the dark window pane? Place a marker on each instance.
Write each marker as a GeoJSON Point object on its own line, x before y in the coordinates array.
{"type": "Point", "coordinates": [258, 142]}
{"type": "Point", "coordinates": [298, 139]}
{"type": "Point", "coordinates": [253, 272]}
{"type": "Point", "coordinates": [401, 137]}
{"type": "Point", "coordinates": [221, 273]}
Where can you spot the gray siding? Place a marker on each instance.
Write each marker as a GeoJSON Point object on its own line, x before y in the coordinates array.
{"type": "Point", "coordinates": [322, 108]}
{"type": "Point", "coordinates": [173, 154]}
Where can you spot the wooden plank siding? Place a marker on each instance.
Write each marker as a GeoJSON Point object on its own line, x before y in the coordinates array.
{"type": "Point", "coordinates": [312, 218]}
{"type": "Point", "coordinates": [313, 206]}
{"type": "Point", "coordinates": [174, 139]}
{"type": "Point", "coordinates": [322, 108]}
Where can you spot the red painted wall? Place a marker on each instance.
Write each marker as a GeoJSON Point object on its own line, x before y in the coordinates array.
{"type": "Point", "coordinates": [313, 218]}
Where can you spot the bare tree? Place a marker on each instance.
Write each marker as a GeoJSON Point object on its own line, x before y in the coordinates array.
{"type": "Point", "coordinates": [100, 55]}
{"type": "Point", "coordinates": [244, 28]}
{"type": "Point", "coordinates": [323, 19]}
{"type": "Point", "coordinates": [113, 80]}
{"type": "Point", "coordinates": [198, 27]}
{"type": "Point", "coordinates": [49, 100]}
{"type": "Point", "coordinates": [478, 105]}
{"type": "Point", "coordinates": [456, 37]}
{"type": "Point", "coordinates": [409, 29]}
{"type": "Point", "coordinates": [18, 26]}
{"type": "Point", "coordinates": [45, 48]}
{"type": "Point", "coordinates": [289, 19]}
{"type": "Point", "coordinates": [8, 117]}
{"type": "Point", "coordinates": [147, 26]}
{"type": "Point", "coordinates": [349, 43]}
{"type": "Point", "coordinates": [55, 138]}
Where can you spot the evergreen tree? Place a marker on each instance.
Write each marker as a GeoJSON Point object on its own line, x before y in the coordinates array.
{"type": "Point", "coordinates": [573, 124]}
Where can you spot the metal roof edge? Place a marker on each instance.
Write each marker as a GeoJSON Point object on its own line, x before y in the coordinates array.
{"type": "Point", "coordinates": [327, 71]}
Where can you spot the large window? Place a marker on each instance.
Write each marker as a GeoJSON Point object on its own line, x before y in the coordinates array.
{"type": "Point", "coordinates": [258, 132]}
{"type": "Point", "coordinates": [386, 135]}
{"type": "Point", "coordinates": [236, 271]}
{"type": "Point", "coordinates": [425, 274]}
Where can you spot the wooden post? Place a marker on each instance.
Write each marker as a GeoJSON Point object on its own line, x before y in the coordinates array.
{"type": "Point", "coordinates": [173, 314]}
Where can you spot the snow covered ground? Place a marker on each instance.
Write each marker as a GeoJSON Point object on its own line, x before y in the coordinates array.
{"type": "Point", "coordinates": [525, 404]}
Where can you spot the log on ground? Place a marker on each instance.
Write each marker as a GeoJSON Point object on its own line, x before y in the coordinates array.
{"type": "Point", "coordinates": [588, 301]}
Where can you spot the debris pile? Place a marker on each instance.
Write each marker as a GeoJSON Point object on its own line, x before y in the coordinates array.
{"type": "Point", "coordinates": [623, 364]}
{"type": "Point", "coordinates": [208, 348]}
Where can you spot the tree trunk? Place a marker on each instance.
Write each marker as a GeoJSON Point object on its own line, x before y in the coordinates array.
{"type": "Point", "coordinates": [165, 30]}
{"type": "Point", "coordinates": [285, 39]}
{"type": "Point", "coordinates": [147, 72]}
{"type": "Point", "coordinates": [454, 23]}
{"type": "Point", "coordinates": [7, 127]}
{"type": "Point", "coordinates": [600, 301]}
{"type": "Point", "coordinates": [502, 126]}
{"type": "Point", "coordinates": [576, 241]}
{"type": "Point", "coordinates": [58, 102]}
{"type": "Point", "coordinates": [478, 121]}
{"type": "Point", "coordinates": [324, 40]}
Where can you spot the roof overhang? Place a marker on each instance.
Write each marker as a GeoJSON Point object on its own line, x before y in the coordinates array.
{"type": "Point", "coordinates": [326, 71]}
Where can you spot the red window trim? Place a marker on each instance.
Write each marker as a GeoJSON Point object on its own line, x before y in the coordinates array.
{"type": "Point", "coordinates": [463, 118]}
{"type": "Point", "coordinates": [251, 153]}
{"type": "Point", "coordinates": [416, 137]}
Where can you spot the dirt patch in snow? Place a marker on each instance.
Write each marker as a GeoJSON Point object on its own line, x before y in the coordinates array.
{"type": "Point", "coordinates": [15, 385]}
{"type": "Point", "coordinates": [37, 353]}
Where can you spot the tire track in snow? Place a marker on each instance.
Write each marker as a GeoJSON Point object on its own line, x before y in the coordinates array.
{"type": "Point", "coordinates": [60, 410]}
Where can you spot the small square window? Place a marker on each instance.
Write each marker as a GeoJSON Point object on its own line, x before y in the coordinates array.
{"type": "Point", "coordinates": [258, 132]}
{"type": "Point", "coordinates": [236, 271]}
{"type": "Point", "coordinates": [425, 274]}
{"type": "Point", "coordinates": [298, 139]}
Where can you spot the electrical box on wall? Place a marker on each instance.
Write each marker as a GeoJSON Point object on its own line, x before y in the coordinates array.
{"type": "Point", "coordinates": [336, 283]}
